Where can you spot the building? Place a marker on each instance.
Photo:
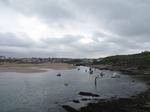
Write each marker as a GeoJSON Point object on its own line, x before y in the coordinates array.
{"type": "Point", "coordinates": [2, 57]}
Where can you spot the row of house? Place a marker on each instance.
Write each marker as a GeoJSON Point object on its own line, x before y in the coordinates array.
{"type": "Point", "coordinates": [42, 60]}
{"type": "Point", "coordinates": [53, 60]}
{"type": "Point", "coordinates": [2, 57]}
{"type": "Point", "coordinates": [36, 60]}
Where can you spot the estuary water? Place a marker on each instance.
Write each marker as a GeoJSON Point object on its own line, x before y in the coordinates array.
{"type": "Point", "coordinates": [46, 92]}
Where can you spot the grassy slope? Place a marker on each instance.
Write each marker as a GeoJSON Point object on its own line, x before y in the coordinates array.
{"type": "Point", "coordinates": [136, 60]}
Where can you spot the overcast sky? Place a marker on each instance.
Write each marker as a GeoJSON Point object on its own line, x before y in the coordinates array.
{"type": "Point", "coordinates": [74, 28]}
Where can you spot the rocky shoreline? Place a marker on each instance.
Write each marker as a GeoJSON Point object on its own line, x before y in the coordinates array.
{"type": "Point", "coordinates": [131, 70]}
{"type": "Point", "coordinates": [138, 103]}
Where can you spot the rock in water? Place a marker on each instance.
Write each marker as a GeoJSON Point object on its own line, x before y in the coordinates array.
{"type": "Point", "coordinates": [65, 84]}
{"type": "Point", "coordinates": [76, 101]}
{"type": "Point", "coordinates": [88, 94]}
{"type": "Point", "coordinates": [69, 109]}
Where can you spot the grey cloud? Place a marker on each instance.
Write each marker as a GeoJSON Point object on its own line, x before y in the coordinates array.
{"type": "Point", "coordinates": [123, 42]}
{"type": "Point", "coordinates": [66, 39]}
{"type": "Point", "coordinates": [143, 39]}
{"type": "Point", "coordinates": [110, 45]}
{"type": "Point", "coordinates": [124, 18]}
{"type": "Point", "coordinates": [97, 36]}
{"type": "Point", "coordinates": [13, 52]}
{"type": "Point", "coordinates": [11, 40]}
{"type": "Point", "coordinates": [4, 2]}
{"type": "Point", "coordinates": [72, 45]}
{"type": "Point", "coordinates": [118, 45]}
{"type": "Point", "coordinates": [125, 21]}
{"type": "Point", "coordinates": [47, 10]}
{"type": "Point", "coordinates": [62, 46]}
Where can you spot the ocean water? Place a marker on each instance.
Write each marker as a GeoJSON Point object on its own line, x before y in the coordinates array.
{"type": "Point", "coordinates": [46, 92]}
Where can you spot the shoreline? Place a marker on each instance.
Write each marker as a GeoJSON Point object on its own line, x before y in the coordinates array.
{"type": "Point", "coordinates": [137, 103]}
{"type": "Point", "coordinates": [123, 69]}
{"type": "Point", "coordinates": [34, 68]}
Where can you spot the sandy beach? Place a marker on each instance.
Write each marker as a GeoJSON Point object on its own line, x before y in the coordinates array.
{"type": "Point", "coordinates": [33, 68]}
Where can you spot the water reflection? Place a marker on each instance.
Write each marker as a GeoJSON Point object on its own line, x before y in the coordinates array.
{"type": "Point", "coordinates": [96, 81]}
{"type": "Point", "coordinates": [42, 92]}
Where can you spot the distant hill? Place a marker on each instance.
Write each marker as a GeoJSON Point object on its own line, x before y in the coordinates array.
{"type": "Point", "coordinates": [137, 60]}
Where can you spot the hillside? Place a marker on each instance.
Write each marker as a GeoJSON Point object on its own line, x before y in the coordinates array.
{"type": "Point", "coordinates": [134, 60]}
{"type": "Point", "coordinates": [135, 64]}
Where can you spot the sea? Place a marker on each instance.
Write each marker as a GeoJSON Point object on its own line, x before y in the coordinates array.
{"type": "Point", "coordinates": [47, 92]}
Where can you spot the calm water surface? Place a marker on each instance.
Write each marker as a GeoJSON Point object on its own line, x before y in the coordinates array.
{"type": "Point", "coordinates": [45, 92]}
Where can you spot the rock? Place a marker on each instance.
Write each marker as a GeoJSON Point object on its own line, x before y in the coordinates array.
{"type": "Point", "coordinates": [88, 94]}
{"type": "Point", "coordinates": [56, 102]}
{"type": "Point", "coordinates": [65, 84]}
{"type": "Point", "coordinates": [69, 109]}
{"type": "Point", "coordinates": [85, 99]}
{"type": "Point", "coordinates": [95, 99]}
{"type": "Point", "coordinates": [147, 105]}
{"type": "Point", "coordinates": [148, 83]}
{"type": "Point", "coordinates": [76, 101]}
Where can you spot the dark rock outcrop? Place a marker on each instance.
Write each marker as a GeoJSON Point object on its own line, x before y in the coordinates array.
{"type": "Point", "coordinates": [69, 109]}
{"type": "Point", "coordinates": [88, 94]}
{"type": "Point", "coordinates": [76, 101]}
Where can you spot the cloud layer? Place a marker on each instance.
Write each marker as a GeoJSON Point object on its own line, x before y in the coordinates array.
{"type": "Point", "coordinates": [73, 28]}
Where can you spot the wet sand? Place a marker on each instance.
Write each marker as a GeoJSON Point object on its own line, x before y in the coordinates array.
{"type": "Point", "coordinates": [33, 68]}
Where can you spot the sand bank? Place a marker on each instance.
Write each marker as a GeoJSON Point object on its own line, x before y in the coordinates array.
{"type": "Point", "coordinates": [33, 68]}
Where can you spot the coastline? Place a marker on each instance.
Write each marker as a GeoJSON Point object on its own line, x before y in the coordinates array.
{"type": "Point", "coordinates": [33, 68]}
{"type": "Point", "coordinates": [130, 70]}
{"type": "Point", "coordinates": [137, 103]}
